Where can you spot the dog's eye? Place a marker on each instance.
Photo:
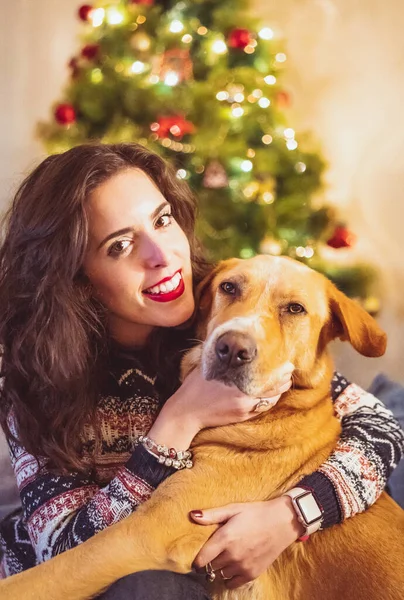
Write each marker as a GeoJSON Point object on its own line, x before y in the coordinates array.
{"type": "Point", "coordinates": [228, 287]}
{"type": "Point", "coordinates": [296, 308]}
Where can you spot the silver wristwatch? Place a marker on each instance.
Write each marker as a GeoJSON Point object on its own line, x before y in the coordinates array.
{"type": "Point", "coordinates": [308, 509]}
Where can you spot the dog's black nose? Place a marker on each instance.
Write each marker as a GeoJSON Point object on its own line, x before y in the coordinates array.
{"type": "Point", "coordinates": [234, 349]}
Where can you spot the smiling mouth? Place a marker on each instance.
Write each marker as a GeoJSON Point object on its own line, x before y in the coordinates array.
{"type": "Point", "coordinates": [169, 290]}
{"type": "Point", "coordinates": [171, 285]}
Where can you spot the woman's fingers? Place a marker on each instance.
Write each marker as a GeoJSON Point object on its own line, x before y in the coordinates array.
{"type": "Point", "coordinates": [227, 572]}
{"type": "Point", "coordinates": [280, 389]}
{"type": "Point", "coordinates": [209, 552]}
{"type": "Point", "coordinates": [285, 386]}
{"type": "Point", "coordinates": [270, 399]}
{"type": "Point", "coordinates": [223, 561]}
{"type": "Point", "coordinates": [225, 568]}
{"type": "Point", "coordinates": [251, 537]}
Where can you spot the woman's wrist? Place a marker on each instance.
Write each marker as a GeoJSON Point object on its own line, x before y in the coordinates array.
{"type": "Point", "coordinates": [144, 466]}
{"type": "Point", "coordinates": [327, 496]}
{"type": "Point", "coordinates": [173, 429]}
{"type": "Point", "coordinates": [296, 528]}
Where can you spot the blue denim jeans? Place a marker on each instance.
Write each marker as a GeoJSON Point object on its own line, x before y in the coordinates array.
{"type": "Point", "coordinates": [157, 585]}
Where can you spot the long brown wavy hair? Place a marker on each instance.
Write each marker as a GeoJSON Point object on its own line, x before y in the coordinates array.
{"type": "Point", "coordinates": [52, 333]}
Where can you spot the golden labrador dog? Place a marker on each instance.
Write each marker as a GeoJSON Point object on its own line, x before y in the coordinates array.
{"type": "Point", "coordinates": [254, 317]}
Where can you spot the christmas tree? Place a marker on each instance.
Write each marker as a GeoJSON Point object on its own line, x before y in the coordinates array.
{"type": "Point", "coordinates": [198, 81]}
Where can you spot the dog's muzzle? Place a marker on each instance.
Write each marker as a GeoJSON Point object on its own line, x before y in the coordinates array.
{"type": "Point", "coordinates": [231, 356]}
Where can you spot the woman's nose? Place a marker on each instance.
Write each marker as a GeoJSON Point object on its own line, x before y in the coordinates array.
{"type": "Point", "coordinates": [153, 254]}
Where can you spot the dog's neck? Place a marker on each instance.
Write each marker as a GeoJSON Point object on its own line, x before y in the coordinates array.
{"type": "Point", "coordinates": [303, 412]}
{"type": "Point", "coordinates": [296, 436]}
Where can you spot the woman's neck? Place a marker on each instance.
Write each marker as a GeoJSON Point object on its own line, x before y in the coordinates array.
{"type": "Point", "coordinates": [131, 336]}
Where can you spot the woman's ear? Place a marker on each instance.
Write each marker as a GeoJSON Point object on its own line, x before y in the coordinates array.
{"type": "Point", "coordinates": [349, 321]}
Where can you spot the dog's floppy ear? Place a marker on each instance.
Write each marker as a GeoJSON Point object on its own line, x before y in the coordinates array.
{"type": "Point", "coordinates": [349, 321]}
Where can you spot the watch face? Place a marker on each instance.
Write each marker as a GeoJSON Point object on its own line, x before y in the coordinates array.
{"type": "Point", "coordinates": [309, 508]}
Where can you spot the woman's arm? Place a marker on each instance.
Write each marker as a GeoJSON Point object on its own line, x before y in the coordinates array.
{"type": "Point", "coordinates": [63, 510]}
{"type": "Point", "coordinates": [370, 447]}
{"type": "Point", "coordinates": [253, 535]}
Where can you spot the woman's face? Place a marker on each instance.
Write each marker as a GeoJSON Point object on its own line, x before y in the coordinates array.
{"type": "Point", "coordinates": [138, 258]}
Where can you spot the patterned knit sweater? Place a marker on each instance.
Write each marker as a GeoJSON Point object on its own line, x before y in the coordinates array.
{"type": "Point", "coordinates": [61, 511]}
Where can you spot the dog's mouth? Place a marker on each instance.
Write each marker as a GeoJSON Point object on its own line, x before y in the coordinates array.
{"type": "Point", "coordinates": [241, 379]}
{"type": "Point", "coordinates": [247, 381]}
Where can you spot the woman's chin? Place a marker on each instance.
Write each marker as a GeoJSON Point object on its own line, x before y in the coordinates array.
{"type": "Point", "coordinates": [182, 317]}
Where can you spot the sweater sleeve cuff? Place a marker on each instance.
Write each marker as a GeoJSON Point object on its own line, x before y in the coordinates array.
{"type": "Point", "coordinates": [144, 465]}
{"type": "Point", "coordinates": [326, 495]}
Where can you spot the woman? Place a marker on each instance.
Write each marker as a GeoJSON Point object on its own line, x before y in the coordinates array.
{"type": "Point", "coordinates": [98, 267]}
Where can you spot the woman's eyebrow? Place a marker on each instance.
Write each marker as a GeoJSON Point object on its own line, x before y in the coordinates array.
{"type": "Point", "coordinates": [125, 230]}
{"type": "Point", "coordinates": [116, 234]}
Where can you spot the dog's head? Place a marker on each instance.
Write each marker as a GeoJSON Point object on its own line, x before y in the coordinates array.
{"type": "Point", "coordinates": [258, 315]}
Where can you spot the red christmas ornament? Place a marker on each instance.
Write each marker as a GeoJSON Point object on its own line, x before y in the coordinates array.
{"type": "Point", "coordinates": [65, 114]}
{"type": "Point", "coordinates": [84, 11]}
{"type": "Point", "coordinates": [239, 38]}
{"type": "Point", "coordinates": [175, 125]}
{"type": "Point", "coordinates": [144, 2]}
{"type": "Point", "coordinates": [341, 238]}
{"type": "Point", "coordinates": [90, 51]}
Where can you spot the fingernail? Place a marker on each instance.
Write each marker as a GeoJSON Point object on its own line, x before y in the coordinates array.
{"type": "Point", "coordinates": [196, 514]}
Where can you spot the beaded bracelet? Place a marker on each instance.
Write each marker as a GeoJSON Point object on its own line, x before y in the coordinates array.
{"type": "Point", "coordinates": [179, 459]}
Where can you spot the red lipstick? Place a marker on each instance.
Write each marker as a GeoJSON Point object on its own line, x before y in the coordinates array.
{"type": "Point", "coordinates": [167, 296]}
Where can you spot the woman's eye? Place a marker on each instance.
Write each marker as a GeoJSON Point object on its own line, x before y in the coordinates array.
{"type": "Point", "coordinates": [164, 220]}
{"type": "Point", "coordinates": [118, 247]}
{"type": "Point", "coordinates": [296, 308]}
{"type": "Point", "coordinates": [228, 287]}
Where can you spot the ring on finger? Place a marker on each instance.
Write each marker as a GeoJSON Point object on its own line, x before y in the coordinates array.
{"type": "Point", "coordinates": [262, 405]}
{"type": "Point", "coordinates": [223, 576]}
{"type": "Point", "coordinates": [210, 574]}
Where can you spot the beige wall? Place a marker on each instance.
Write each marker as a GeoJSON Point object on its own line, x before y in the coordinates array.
{"type": "Point", "coordinates": [36, 39]}
{"type": "Point", "coordinates": [345, 70]}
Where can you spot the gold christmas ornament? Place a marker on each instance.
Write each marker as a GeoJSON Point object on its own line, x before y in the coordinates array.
{"type": "Point", "coordinates": [140, 41]}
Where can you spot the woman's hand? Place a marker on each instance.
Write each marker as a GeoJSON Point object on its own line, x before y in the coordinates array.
{"type": "Point", "coordinates": [199, 403]}
{"type": "Point", "coordinates": [250, 538]}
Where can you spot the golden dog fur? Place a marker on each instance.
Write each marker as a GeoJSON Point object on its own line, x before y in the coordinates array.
{"type": "Point", "coordinates": [361, 559]}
